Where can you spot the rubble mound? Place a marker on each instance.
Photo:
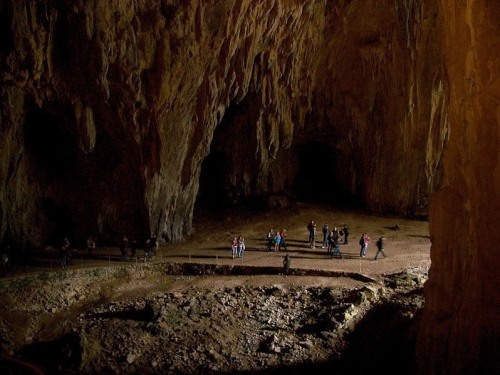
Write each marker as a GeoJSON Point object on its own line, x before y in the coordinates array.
{"type": "Point", "coordinates": [112, 321]}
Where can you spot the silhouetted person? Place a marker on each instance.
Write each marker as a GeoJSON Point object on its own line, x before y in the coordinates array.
{"type": "Point", "coordinates": [345, 229]}
{"type": "Point", "coordinates": [286, 264]}
{"type": "Point", "coordinates": [65, 253]}
{"type": "Point", "coordinates": [153, 243]}
{"type": "Point", "coordinates": [326, 234]}
{"type": "Point", "coordinates": [133, 248]}
{"type": "Point", "coordinates": [91, 246]}
{"type": "Point", "coordinates": [380, 247]}
{"type": "Point", "coordinates": [335, 246]}
{"type": "Point", "coordinates": [270, 239]}
{"type": "Point", "coordinates": [124, 247]}
{"type": "Point", "coordinates": [4, 259]}
{"type": "Point", "coordinates": [311, 227]}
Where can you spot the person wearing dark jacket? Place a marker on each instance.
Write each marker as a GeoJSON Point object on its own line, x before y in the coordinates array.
{"type": "Point", "coordinates": [380, 247]}
{"type": "Point", "coordinates": [345, 229]}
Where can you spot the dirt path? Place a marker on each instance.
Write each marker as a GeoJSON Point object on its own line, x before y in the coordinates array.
{"type": "Point", "coordinates": [408, 247]}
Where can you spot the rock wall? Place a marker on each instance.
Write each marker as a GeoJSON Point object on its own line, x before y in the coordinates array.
{"type": "Point", "coordinates": [461, 330]}
{"type": "Point", "coordinates": [110, 107]}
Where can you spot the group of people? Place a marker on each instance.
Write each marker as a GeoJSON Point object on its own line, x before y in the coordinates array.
{"type": "Point", "coordinates": [330, 236]}
{"type": "Point", "coordinates": [149, 246]}
{"type": "Point", "coordinates": [364, 241]}
{"type": "Point", "coordinates": [238, 246]}
{"type": "Point", "coordinates": [276, 240]}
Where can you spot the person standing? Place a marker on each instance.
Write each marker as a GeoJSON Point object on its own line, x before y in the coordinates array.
{"type": "Point", "coordinates": [286, 264]}
{"type": "Point", "coordinates": [65, 253]}
{"type": "Point", "coordinates": [124, 248]}
{"type": "Point", "coordinates": [336, 246]}
{"type": "Point", "coordinates": [346, 233]}
{"type": "Point", "coordinates": [277, 242]}
{"type": "Point", "coordinates": [234, 247]}
{"type": "Point", "coordinates": [311, 227]}
{"type": "Point", "coordinates": [367, 242]}
{"type": "Point", "coordinates": [91, 246]}
{"type": "Point", "coordinates": [282, 239]}
{"type": "Point", "coordinates": [270, 239]}
{"type": "Point", "coordinates": [362, 243]}
{"type": "Point", "coordinates": [153, 244]}
{"type": "Point", "coordinates": [380, 247]}
{"type": "Point", "coordinates": [69, 252]}
{"type": "Point", "coordinates": [241, 246]}
{"type": "Point", "coordinates": [326, 233]}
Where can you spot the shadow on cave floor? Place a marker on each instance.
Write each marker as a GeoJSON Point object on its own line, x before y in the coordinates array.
{"type": "Point", "coordinates": [382, 343]}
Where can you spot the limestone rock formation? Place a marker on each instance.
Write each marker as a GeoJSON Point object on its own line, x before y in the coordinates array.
{"type": "Point", "coordinates": [113, 110]}
{"type": "Point", "coordinates": [119, 116]}
{"type": "Point", "coordinates": [461, 330]}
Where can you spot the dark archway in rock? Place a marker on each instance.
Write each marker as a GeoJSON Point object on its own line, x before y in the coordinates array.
{"type": "Point", "coordinates": [50, 143]}
{"type": "Point", "coordinates": [60, 221]}
{"type": "Point", "coordinates": [222, 181]}
{"type": "Point", "coordinates": [213, 192]}
{"type": "Point", "coordinates": [318, 179]}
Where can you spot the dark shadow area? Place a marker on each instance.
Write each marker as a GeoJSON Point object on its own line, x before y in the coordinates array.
{"type": "Point", "coordinates": [60, 219]}
{"type": "Point", "coordinates": [224, 173]}
{"type": "Point", "coordinates": [6, 35]}
{"type": "Point", "coordinates": [317, 180]}
{"type": "Point", "coordinates": [148, 314]}
{"type": "Point", "coordinates": [54, 356]}
{"type": "Point", "coordinates": [49, 141]}
{"type": "Point", "coordinates": [214, 193]}
{"type": "Point", "coordinates": [385, 339]}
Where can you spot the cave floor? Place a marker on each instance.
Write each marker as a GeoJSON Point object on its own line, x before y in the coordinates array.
{"type": "Point", "coordinates": [407, 247]}
{"type": "Point", "coordinates": [73, 300]}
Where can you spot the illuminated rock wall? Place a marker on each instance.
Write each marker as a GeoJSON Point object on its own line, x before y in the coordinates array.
{"type": "Point", "coordinates": [461, 330]}
{"type": "Point", "coordinates": [110, 107]}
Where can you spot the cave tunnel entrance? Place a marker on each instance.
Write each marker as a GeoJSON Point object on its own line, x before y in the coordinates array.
{"type": "Point", "coordinates": [60, 221]}
{"type": "Point", "coordinates": [213, 192]}
{"type": "Point", "coordinates": [222, 181]}
{"type": "Point", "coordinates": [49, 140]}
{"type": "Point", "coordinates": [319, 178]}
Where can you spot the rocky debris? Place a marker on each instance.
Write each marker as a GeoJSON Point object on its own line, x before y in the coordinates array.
{"type": "Point", "coordinates": [200, 330]}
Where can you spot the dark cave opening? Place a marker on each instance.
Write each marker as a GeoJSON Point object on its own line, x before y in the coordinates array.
{"type": "Point", "coordinates": [223, 183]}
{"type": "Point", "coordinates": [6, 34]}
{"type": "Point", "coordinates": [318, 179]}
{"type": "Point", "coordinates": [60, 221]}
{"type": "Point", "coordinates": [213, 192]}
{"type": "Point", "coordinates": [49, 142]}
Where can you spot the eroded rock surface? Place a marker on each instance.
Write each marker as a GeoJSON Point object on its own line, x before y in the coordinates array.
{"type": "Point", "coordinates": [110, 108]}
{"type": "Point", "coordinates": [461, 333]}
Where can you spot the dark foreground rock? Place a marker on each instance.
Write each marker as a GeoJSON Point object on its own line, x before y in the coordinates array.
{"type": "Point", "coordinates": [103, 321]}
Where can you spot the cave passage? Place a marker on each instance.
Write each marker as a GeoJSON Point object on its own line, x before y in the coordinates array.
{"type": "Point", "coordinates": [318, 179]}
{"type": "Point", "coordinates": [49, 142]}
{"type": "Point", "coordinates": [213, 193]}
{"type": "Point", "coordinates": [222, 183]}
